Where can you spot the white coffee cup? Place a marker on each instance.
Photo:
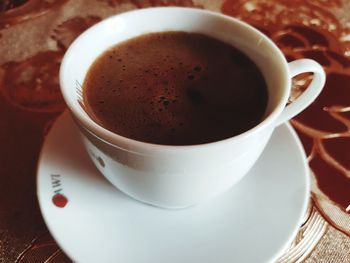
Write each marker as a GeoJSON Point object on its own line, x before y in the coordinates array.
{"type": "Point", "coordinates": [181, 176]}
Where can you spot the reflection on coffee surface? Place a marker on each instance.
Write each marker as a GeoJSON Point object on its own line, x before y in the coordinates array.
{"type": "Point", "coordinates": [175, 88]}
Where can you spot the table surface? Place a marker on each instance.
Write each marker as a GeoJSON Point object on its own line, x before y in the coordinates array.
{"type": "Point", "coordinates": [34, 35]}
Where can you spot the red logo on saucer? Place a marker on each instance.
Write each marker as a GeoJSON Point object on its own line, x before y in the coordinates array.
{"type": "Point", "coordinates": [58, 199]}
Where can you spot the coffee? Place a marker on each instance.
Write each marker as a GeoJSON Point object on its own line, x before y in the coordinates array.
{"type": "Point", "coordinates": [175, 88]}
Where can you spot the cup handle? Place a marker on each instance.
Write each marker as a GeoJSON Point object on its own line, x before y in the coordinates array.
{"type": "Point", "coordinates": [310, 94]}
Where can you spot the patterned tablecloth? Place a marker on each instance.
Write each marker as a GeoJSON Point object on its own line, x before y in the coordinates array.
{"type": "Point", "coordinates": [34, 35]}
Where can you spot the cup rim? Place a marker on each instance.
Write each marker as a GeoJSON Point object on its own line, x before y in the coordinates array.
{"type": "Point", "coordinates": [120, 141]}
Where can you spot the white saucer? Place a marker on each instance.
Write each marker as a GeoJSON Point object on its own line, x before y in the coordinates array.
{"type": "Point", "coordinates": [253, 222]}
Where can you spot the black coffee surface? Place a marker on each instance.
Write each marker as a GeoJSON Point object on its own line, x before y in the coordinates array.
{"type": "Point", "coordinates": [175, 88]}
